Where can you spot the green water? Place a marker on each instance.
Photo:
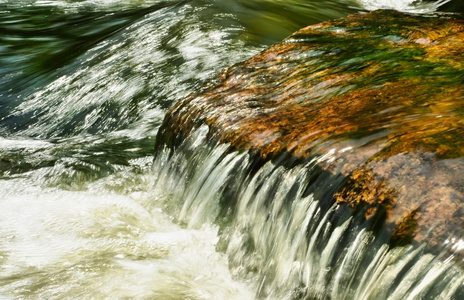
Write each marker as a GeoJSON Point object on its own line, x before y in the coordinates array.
{"type": "Point", "coordinates": [84, 86]}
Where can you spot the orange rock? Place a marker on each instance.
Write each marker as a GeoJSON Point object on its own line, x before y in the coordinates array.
{"type": "Point", "coordinates": [383, 91]}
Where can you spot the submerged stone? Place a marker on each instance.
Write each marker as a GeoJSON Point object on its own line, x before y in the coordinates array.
{"type": "Point", "coordinates": [378, 96]}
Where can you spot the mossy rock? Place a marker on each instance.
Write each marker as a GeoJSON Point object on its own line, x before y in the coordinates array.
{"type": "Point", "coordinates": [381, 93]}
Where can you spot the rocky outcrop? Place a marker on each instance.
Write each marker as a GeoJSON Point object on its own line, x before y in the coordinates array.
{"type": "Point", "coordinates": [379, 95]}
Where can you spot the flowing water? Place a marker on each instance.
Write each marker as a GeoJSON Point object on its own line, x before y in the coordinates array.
{"type": "Point", "coordinates": [87, 212]}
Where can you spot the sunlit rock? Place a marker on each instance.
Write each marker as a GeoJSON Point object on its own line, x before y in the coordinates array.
{"type": "Point", "coordinates": [377, 99]}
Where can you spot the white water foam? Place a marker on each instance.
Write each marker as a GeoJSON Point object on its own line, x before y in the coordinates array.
{"type": "Point", "coordinates": [412, 6]}
{"type": "Point", "coordinates": [98, 244]}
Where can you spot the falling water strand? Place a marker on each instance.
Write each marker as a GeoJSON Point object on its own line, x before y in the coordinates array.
{"type": "Point", "coordinates": [281, 238]}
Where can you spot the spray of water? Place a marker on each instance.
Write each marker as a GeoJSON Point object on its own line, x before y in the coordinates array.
{"type": "Point", "coordinates": [412, 6]}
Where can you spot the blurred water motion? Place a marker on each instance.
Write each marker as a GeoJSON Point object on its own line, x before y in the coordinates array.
{"type": "Point", "coordinates": [84, 212]}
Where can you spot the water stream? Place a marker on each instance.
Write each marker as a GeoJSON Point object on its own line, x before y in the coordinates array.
{"type": "Point", "coordinates": [87, 211]}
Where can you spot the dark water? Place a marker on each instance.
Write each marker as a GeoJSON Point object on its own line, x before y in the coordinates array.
{"type": "Point", "coordinates": [84, 211]}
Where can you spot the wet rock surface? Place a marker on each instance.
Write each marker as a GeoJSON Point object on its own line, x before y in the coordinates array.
{"type": "Point", "coordinates": [379, 95]}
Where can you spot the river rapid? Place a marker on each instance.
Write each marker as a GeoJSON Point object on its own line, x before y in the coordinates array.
{"type": "Point", "coordinates": [86, 212]}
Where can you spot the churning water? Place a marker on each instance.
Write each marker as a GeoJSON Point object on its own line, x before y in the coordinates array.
{"type": "Point", "coordinates": [87, 212]}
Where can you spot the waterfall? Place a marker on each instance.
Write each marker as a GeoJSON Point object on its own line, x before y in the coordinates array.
{"type": "Point", "coordinates": [278, 232]}
{"type": "Point", "coordinates": [89, 210]}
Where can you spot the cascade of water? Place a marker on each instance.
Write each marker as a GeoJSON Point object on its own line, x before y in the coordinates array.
{"type": "Point", "coordinates": [280, 234]}
{"type": "Point", "coordinates": [78, 217]}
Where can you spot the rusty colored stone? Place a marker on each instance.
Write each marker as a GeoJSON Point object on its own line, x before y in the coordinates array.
{"type": "Point", "coordinates": [406, 229]}
{"type": "Point", "coordinates": [363, 191]}
{"type": "Point", "coordinates": [384, 90]}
